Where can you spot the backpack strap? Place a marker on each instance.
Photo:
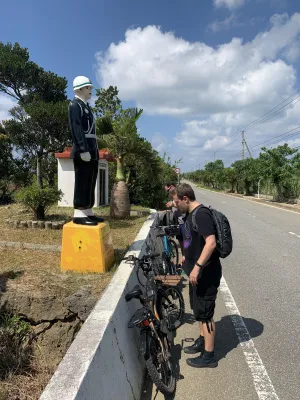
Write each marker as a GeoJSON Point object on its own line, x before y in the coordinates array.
{"type": "Point", "coordinates": [194, 212]}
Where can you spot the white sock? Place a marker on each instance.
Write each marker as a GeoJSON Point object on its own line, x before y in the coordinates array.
{"type": "Point", "coordinates": [89, 212]}
{"type": "Point", "coordinates": [80, 213]}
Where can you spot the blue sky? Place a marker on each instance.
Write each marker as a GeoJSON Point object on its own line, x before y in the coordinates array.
{"type": "Point", "coordinates": [178, 60]}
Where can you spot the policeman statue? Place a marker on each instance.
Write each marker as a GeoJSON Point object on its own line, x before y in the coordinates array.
{"type": "Point", "coordinates": [85, 153]}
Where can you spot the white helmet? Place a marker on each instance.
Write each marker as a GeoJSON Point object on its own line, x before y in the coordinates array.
{"type": "Point", "coordinates": [80, 82]}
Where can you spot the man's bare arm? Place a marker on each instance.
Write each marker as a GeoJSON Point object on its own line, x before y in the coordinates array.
{"type": "Point", "coordinates": [208, 249]}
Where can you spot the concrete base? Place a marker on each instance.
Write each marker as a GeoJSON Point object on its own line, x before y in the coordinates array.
{"type": "Point", "coordinates": [87, 248]}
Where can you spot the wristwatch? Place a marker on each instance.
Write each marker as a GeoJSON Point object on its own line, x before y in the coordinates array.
{"type": "Point", "coordinates": [199, 265]}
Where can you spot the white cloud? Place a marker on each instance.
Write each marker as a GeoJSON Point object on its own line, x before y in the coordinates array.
{"type": "Point", "coordinates": [159, 143]}
{"type": "Point", "coordinates": [167, 75]}
{"type": "Point", "coordinates": [216, 142]}
{"type": "Point", "coordinates": [226, 23]}
{"type": "Point", "coordinates": [6, 103]}
{"type": "Point", "coordinates": [233, 20]}
{"type": "Point", "coordinates": [215, 89]}
{"type": "Point", "coordinates": [219, 128]}
{"type": "Point", "coordinates": [195, 133]}
{"type": "Point", "coordinates": [293, 52]}
{"type": "Point", "coordinates": [231, 4]}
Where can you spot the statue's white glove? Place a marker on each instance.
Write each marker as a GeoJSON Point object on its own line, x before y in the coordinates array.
{"type": "Point", "coordinates": [85, 156]}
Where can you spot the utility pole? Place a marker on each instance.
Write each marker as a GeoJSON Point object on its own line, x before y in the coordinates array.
{"type": "Point", "coordinates": [248, 149]}
{"type": "Point", "coordinates": [243, 145]}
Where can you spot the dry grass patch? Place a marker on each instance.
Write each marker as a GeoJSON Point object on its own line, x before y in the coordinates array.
{"type": "Point", "coordinates": [39, 273]}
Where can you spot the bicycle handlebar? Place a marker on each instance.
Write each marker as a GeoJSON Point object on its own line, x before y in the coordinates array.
{"type": "Point", "coordinates": [165, 226]}
{"type": "Point", "coordinates": [145, 258]}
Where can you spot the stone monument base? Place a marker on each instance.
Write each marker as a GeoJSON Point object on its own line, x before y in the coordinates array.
{"type": "Point", "coordinates": [87, 248]}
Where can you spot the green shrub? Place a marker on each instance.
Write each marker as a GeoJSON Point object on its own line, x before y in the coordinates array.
{"type": "Point", "coordinates": [14, 345]}
{"type": "Point", "coordinates": [39, 200]}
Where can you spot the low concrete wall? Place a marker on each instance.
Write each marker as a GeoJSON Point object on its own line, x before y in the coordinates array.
{"type": "Point", "coordinates": [264, 196]}
{"type": "Point", "coordinates": [104, 362]}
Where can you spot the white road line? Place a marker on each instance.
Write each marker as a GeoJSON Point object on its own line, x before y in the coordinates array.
{"type": "Point", "coordinates": [262, 383]}
{"type": "Point", "coordinates": [295, 234]}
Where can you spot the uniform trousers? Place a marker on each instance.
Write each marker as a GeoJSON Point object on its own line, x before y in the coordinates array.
{"type": "Point", "coordinates": [85, 182]}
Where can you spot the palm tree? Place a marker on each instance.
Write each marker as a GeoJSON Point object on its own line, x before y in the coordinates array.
{"type": "Point", "coordinates": [121, 139]}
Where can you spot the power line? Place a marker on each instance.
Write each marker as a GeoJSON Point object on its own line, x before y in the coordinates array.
{"type": "Point", "coordinates": [282, 135]}
{"type": "Point", "coordinates": [233, 138]}
{"type": "Point", "coordinates": [285, 139]}
{"type": "Point", "coordinates": [228, 152]}
{"type": "Point", "coordinates": [239, 154]}
{"type": "Point", "coordinates": [248, 149]}
{"type": "Point", "coordinates": [264, 115]}
{"type": "Point", "coordinates": [264, 118]}
{"type": "Point", "coordinates": [289, 105]}
{"type": "Point", "coordinates": [269, 142]}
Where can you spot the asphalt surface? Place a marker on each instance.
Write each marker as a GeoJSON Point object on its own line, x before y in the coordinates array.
{"type": "Point", "coordinates": [263, 280]}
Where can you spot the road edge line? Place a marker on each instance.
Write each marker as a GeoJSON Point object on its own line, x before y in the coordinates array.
{"type": "Point", "coordinates": [262, 382]}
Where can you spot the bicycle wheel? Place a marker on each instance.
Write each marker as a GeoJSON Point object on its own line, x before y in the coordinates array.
{"type": "Point", "coordinates": [170, 305]}
{"type": "Point", "coordinates": [161, 370]}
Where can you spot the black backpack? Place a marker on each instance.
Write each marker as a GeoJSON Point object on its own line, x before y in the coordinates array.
{"type": "Point", "coordinates": [166, 218]}
{"type": "Point", "coordinates": [224, 236]}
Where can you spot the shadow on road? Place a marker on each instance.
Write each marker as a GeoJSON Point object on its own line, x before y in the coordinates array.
{"type": "Point", "coordinates": [189, 319]}
{"type": "Point", "coordinates": [226, 338]}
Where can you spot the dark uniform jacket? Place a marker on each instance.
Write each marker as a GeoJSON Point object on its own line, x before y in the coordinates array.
{"type": "Point", "coordinates": [81, 121]}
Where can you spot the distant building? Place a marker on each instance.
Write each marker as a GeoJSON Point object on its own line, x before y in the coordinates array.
{"type": "Point", "coordinates": [66, 178]}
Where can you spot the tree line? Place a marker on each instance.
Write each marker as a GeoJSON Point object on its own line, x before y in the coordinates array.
{"type": "Point", "coordinates": [38, 127]}
{"type": "Point", "coordinates": [277, 170]}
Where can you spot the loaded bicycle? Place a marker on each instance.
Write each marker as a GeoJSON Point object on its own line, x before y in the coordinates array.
{"type": "Point", "coordinates": [169, 300]}
{"type": "Point", "coordinates": [157, 323]}
{"type": "Point", "coordinates": [170, 255]}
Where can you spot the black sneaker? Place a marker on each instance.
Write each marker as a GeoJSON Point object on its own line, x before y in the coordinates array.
{"type": "Point", "coordinates": [84, 221]}
{"type": "Point", "coordinates": [203, 361]}
{"type": "Point", "coordinates": [96, 219]}
{"type": "Point", "coordinates": [197, 347]}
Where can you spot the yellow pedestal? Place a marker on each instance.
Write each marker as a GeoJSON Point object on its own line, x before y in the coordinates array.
{"type": "Point", "coordinates": [87, 248]}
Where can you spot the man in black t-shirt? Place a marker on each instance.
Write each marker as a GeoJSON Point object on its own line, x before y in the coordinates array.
{"type": "Point", "coordinates": [203, 267]}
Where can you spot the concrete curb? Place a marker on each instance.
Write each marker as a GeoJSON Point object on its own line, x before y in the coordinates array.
{"type": "Point", "coordinates": [31, 246]}
{"type": "Point", "coordinates": [103, 361]}
{"type": "Point", "coordinates": [55, 248]}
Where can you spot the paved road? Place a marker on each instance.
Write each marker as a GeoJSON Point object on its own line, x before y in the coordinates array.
{"type": "Point", "coordinates": [258, 310]}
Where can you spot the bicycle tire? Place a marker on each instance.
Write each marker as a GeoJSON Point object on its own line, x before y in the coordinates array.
{"type": "Point", "coordinates": [166, 389]}
{"type": "Point", "coordinates": [175, 319]}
